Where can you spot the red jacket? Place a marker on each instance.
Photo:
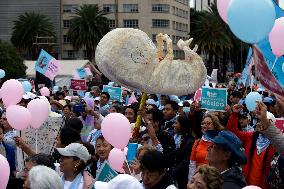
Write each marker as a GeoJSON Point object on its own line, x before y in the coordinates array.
{"type": "Point", "coordinates": [246, 138]}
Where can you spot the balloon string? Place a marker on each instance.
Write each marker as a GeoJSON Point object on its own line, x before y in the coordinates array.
{"type": "Point", "coordinates": [274, 64]}
{"type": "Point", "coordinates": [36, 141]}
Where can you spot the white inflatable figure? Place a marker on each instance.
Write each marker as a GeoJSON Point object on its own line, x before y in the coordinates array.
{"type": "Point", "coordinates": [128, 57]}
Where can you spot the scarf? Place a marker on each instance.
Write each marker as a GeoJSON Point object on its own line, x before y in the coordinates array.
{"type": "Point", "coordinates": [261, 143]}
{"type": "Point", "coordinates": [75, 183]}
{"type": "Point", "coordinates": [210, 134]}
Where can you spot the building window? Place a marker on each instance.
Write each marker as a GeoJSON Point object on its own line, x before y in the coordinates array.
{"type": "Point", "coordinates": [161, 8]}
{"type": "Point", "coordinates": [185, 2]}
{"type": "Point", "coordinates": [178, 54]}
{"type": "Point", "coordinates": [154, 37]}
{"type": "Point", "coordinates": [108, 8]}
{"type": "Point", "coordinates": [130, 7]}
{"type": "Point", "coordinates": [69, 54]}
{"type": "Point", "coordinates": [66, 23]}
{"type": "Point", "coordinates": [66, 39]}
{"type": "Point", "coordinates": [180, 26]}
{"type": "Point", "coordinates": [69, 8]}
{"type": "Point", "coordinates": [158, 23]}
{"type": "Point", "coordinates": [130, 23]}
{"type": "Point", "coordinates": [111, 24]}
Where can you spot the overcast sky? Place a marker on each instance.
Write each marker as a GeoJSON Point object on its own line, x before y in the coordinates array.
{"type": "Point", "coordinates": [281, 3]}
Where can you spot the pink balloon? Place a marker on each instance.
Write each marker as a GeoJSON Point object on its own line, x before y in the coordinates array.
{"type": "Point", "coordinates": [18, 117]}
{"type": "Point", "coordinates": [116, 130]}
{"type": "Point", "coordinates": [4, 173]}
{"type": "Point", "coordinates": [222, 6]}
{"type": "Point", "coordinates": [276, 38]}
{"type": "Point", "coordinates": [39, 110]}
{"type": "Point", "coordinates": [251, 187]}
{"type": "Point", "coordinates": [116, 159]}
{"type": "Point", "coordinates": [44, 91]}
{"type": "Point", "coordinates": [12, 92]}
{"type": "Point", "coordinates": [0, 94]}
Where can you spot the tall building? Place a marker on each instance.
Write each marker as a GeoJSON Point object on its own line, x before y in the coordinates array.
{"type": "Point", "coordinates": [151, 16]}
{"type": "Point", "coordinates": [202, 5]}
{"type": "Point", "coordinates": [11, 9]}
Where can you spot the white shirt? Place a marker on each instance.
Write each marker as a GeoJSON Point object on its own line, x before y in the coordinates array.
{"type": "Point", "coordinates": [67, 184]}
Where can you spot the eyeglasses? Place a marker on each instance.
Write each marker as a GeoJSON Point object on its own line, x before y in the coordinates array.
{"type": "Point", "coordinates": [206, 123]}
{"type": "Point", "coordinates": [4, 118]}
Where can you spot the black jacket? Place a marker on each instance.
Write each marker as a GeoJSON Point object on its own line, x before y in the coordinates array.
{"type": "Point", "coordinates": [234, 179]}
{"type": "Point", "coordinates": [168, 144]}
{"type": "Point", "coordinates": [164, 182]}
{"type": "Point", "coordinates": [180, 169]}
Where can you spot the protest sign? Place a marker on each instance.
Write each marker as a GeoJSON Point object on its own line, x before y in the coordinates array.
{"type": "Point", "coordinates": [47, 65]}
{"type": "Point", "coordinates": [280, 124]}
{"type": "Point", "coordinates": [131, 152]}
{"type": "Point", "coordinates": [197, 95]}
{"type": "Point", "coordinates": [78, 84]}
{"type": "Point", "coordinates": [214, 99]}
{"type": "Point", "coordinates": [114, 92]}
{"type": "Point", "coordinates": [81, 72]}
{"type": "Point", "coordinates": [106, 173]}
{"type": "Point", "coordinates": [42, 139]}
{"type": "Point", "coordinates": [265, 77]}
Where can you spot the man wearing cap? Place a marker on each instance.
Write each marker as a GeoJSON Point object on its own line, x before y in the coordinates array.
{"type": "Point", "coordinates": [227, 154]}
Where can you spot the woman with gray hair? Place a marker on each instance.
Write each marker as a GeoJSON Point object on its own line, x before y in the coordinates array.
{"type": "Point", "coordinates": [42, 177]}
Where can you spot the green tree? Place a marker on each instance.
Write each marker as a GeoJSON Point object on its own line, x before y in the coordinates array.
{"type": "Point", "coordinates": [26, 28]}
{"type": "Point", "coordinates": [216, 40]}
{"type": "Point", "coordinates": [11, 62]}
{"type": "Point", "coordinates": [87, 28]}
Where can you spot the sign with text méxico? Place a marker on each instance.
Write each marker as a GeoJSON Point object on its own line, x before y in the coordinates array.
{"type": "Point", "coordinates": [214, 98]}
{"type": "Point", "coordinates": [114, 92]}
{"type": "Point", "coordinates": [106, 173]}
{"type": "Point", "coordinates": [47, 65]}
{"type": "Point", "coordinates": [78, 84]}
{"type": "Point", "coordinates": [280, 124]}
{"type": "Point", "coordinates": [265, 77]}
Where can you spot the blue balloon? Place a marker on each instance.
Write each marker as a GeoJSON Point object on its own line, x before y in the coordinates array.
{"type": "Point", "coordinates": [2, 73]}
{"type": "Point", "coordinates": [27, 86]}
{"type": "Point", "coordinates": [251, 100]}
{"type": "Point", "coordinates": [251, 20]}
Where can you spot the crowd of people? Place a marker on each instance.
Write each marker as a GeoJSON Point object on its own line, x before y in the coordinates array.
{"type": "Point", "coordinates": [181, 145]}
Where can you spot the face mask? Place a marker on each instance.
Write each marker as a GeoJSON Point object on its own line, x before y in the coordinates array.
{"type": "Point", "coordinates": [186, 109]}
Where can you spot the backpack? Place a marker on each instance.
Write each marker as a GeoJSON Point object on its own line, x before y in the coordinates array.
{"type": "Point", "coordinates": [276, 174]}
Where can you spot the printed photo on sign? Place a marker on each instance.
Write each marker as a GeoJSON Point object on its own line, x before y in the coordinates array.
{"type": "Point", "coordinates": [214, 99]}
{"type": "Point", "coordinates": [114, 92]}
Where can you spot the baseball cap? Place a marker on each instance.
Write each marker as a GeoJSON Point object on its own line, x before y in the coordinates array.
{"type": "Point", "coordinates": [269, 101]}
{"type": "Point", "coordinates": [232, 143]}
{"type": "Point", "coordinates": [76, 150]}
{"type": "Point", "coordinates": [121, 181]}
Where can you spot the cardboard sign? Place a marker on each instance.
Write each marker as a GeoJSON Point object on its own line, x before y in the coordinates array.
{"type": "Point", "coordinates": [131, 152]}
{"type": "Point", "coordinates": [114, 92]}
{"type": "Point", "coordinates": [78, 85]}
{"type": "Point", "coordinates": [214, 99]}
{"type": "Point", "coordinates": [264, 74]}
{"type": "Point", "coordinates": [106, 173]}
{"type": "Point", "coordinates": [47, 65]}
{"type": "Point", "coordinates": [44, 140]}
{"type": "Point", "coordinates": [280, 124]}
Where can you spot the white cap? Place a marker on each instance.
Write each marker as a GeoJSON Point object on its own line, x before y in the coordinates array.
{"type": "Point", "coordinates": [76, 150]}
{"type": "Point", "coordinates": [271, 117]}
{"type": "Point", "coordinates": [122, 181]}
{"type": "Point", "coordinates": [97, 99]}
{"type": "Point", "coordinates": [29, 95]}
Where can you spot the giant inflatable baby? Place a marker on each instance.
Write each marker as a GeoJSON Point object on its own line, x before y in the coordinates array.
{"type": "Point", "coordinates": [128, 57]}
